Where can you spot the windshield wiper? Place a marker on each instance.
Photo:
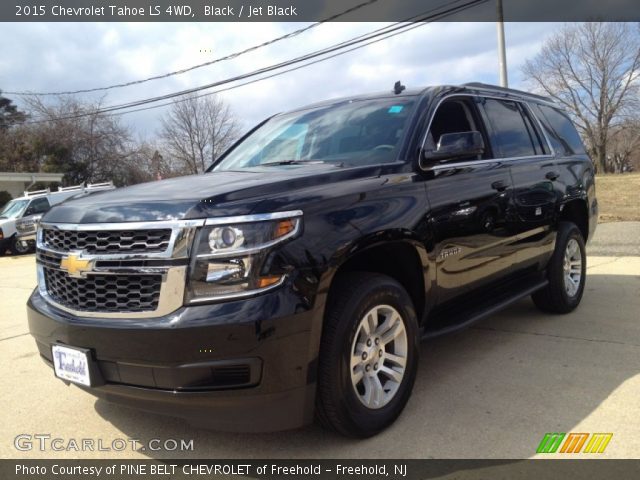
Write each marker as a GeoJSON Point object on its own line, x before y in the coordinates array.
{"type": "Point", "coordinates": [291, 162]}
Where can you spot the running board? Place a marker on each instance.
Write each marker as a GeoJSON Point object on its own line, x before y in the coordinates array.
{"type": "Point", "coordinates": [478, 314]}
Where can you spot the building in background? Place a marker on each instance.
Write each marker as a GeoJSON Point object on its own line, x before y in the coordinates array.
{"type": "Point", "coordinates": [16, 183]}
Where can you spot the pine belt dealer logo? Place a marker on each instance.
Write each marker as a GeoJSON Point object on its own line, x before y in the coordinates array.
{"type": "Point", "coordinates": [75, 266]}
{"type": "Point", "coordinates": [574, 442]}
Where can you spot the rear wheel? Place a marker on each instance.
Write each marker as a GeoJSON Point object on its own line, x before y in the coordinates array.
{"type": "Point", "coordinates": [368, 356]}
{"type": "Point", "coordinates": [566, 272]}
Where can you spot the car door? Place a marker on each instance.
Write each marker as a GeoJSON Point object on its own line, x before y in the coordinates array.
{"type": "Point", "coordinates": [568, 149]}
{"type": "Point", "coordinates": [518, 138]}
{"type": "Point", "coordinates": [468, 201]}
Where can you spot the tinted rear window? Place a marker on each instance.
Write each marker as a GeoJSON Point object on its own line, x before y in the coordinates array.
{"type": "Point", "coordinates": [511, 136]}
{"type": "Point", "coordinates": [562, 134]}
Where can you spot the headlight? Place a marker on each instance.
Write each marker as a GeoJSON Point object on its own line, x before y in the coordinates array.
{"type": "Point", "coordinates": [229, 258]}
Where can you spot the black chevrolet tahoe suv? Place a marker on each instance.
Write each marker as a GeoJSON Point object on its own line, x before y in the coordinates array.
{"type": "Point", "coordinates": [296, 277]}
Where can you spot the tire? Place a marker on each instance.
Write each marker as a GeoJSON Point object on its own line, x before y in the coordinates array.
{"type": "Point", "coordinates": [354, 407]}
{"type": "Point", "coordinates": [563, 295]}
{"type": "Point", "coordinates": [17, 249]}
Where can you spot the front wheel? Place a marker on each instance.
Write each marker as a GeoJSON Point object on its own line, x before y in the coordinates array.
{"type": "Point", "coordinates": [19, 248]}
{"type": "Point", "coordinates": [368, 356]}
{"type": "Point", "coordinates": [566, 272]}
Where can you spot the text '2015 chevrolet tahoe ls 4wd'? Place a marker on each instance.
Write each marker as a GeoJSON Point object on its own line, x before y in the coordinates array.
{"type": "Point", "coordinates": [297, 276]}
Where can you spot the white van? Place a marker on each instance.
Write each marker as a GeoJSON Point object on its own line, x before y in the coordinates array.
{"type": "Point", "coordinates": [26, 211]}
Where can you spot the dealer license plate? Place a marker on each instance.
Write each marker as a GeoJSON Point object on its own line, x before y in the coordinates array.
{"type": "Point", "coordinates": [71, 364]}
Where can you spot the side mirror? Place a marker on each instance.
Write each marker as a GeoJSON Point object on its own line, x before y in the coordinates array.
{"type": "Point", "coordinates": [457, 145]}
{"type": "Point", "coordinates": [28, 211]}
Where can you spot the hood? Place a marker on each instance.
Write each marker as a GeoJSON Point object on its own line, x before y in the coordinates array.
{"type": "Point", "coordinates": [196, 196]}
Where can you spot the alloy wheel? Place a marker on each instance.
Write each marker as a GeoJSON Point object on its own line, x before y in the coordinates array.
{"type": "Point", "coordinates": [378, 356]}
{"type": "Point", "coordinates": [572, 267]}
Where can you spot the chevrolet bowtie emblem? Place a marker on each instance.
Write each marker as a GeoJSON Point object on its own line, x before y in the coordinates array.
{"type": "Point", "coordinates": [75, 266]}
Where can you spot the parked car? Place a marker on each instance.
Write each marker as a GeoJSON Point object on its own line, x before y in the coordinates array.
{"type": "Point", "coordinates": [298, 275]}
{"type": "Point", "coordinates": [26, 226]}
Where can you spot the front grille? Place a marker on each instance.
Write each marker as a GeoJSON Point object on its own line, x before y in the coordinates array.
{"type": "Point", "coordinates": [115, 270]}
{"type": "Point", "coordinates": [104, 293]}
{"type": "Point", "coordinates": [25, 227]}
{"type": "Point", "coordinates": [48, 259]}
{"type": "Point", "coordinates": [107, 241]}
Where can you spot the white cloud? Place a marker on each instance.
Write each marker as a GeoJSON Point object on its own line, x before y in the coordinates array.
{"type": "Point", "coordinates": [59, 56]}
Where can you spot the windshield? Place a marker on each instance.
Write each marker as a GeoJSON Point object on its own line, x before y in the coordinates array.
{"type": "Point", "coordinates": [14, 208]}
{"type": "Point", "coordinates": [358, 132]}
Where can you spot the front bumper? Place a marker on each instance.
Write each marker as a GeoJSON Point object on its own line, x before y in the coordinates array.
{"type": "Point", "coordinates": [237, 366]}
{"type": "Point", "coordinates": [27, 237]}
{"type": "Point", "coordinates": [27, 240]}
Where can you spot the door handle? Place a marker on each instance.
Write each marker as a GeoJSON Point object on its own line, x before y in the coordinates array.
{"type": "Point", "coordinates": [499, 185]}
{"type": "Point", "coordinates": [552, 176]}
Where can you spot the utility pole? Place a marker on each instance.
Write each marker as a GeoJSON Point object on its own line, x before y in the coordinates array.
{"type": "Point", "coordinates": [502, 55]}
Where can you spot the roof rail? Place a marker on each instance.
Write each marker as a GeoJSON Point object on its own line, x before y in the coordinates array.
{"type": "Point", "coordinates": [496, 88]}
{"type": "Point", "coordinates": [93, 186]}
{"type": "Point", "coordinates": [79, 188]}
{"type": "Point", "coordinates": [37, 192]}
{"type": "Point", "coordinates": [69, 189]}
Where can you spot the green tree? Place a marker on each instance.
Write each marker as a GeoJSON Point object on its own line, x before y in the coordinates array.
{"type": "Point", "coordinates": [11, 141]}
{"type": "Point", "coordinates": [9, 113]}
{"type": "Point", "coordinates": [4, 198]}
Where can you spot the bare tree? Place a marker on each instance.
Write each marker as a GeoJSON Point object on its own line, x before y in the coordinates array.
{"type": "Point", "coordinates": [593, 70]}
{"type": "Point", "coordinates": [198, 129]}
{"type": "Point", "coordinates": [79, 140]}
{"type": "Point", "coordinates": [625, 143]}
{"type": "Point", "coordinates": [74, 137]}
{"type": "Point", "coordinates": [145, 164]}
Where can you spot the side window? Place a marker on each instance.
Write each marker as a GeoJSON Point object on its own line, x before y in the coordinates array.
{"type": "Point", "coordinates": [456, 115]}
{"type": "Point", "coordinates": [39, 205]}
{"type": "Point", "coordinates": [539, 144]}
{"type": "Point", "coordinates": [511, 136]}
{"type": "Point", "coordinates": [562, 134]}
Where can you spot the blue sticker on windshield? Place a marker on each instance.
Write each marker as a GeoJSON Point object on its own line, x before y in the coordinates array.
{"type": "Point", "coordinates": [395, 109]}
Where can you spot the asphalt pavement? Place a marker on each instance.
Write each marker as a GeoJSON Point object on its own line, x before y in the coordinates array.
{"type": "Point", "coordinates": [616, 239]}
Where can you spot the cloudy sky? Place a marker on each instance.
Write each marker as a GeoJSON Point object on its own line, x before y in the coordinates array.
{"type": "Point", "coordinates": [71, 56]}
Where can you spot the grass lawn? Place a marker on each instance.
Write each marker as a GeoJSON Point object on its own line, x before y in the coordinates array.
{"type": "Point", "coordinates": [618, 197]}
